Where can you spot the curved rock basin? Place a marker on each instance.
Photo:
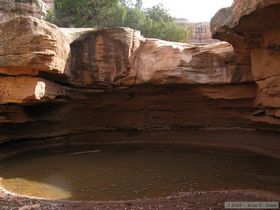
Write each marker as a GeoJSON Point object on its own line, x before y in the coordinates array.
{"type": "Point", "coordinates": [130, 173]}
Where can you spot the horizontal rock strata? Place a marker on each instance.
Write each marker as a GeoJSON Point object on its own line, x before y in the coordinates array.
{"type": "Point", "coordinates": [12, 8]}
{"type": "Point", "coordinates": [253, 28]}
{"type": "Point", "coordinates": [64, 84]}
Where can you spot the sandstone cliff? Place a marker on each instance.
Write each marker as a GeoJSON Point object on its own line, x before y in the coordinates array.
{"type": "Point", "coordinates": [253, 28]}
{"type": "Point", "coordinates": [105, 57]}
{"type": "Point", "coordinates": [12, 8]}
{"type": "Point", "coordinates": [84, 86]}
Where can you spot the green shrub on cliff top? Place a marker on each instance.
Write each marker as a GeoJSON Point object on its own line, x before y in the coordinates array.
{"type": "Point", "coordinates": [153, 22]}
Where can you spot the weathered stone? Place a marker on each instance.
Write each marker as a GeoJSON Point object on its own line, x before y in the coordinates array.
{"type": "Point", "coordinates": [138, 108]}
{"type": "Point", "coordinates": [123, 57]}
{"type": "Point", "coordinates": [116, 56]}
{"type": "Point", "coordinates": [163, 62]}
{"type": "Point", "coordinates": [12, 8]}
{"type": "Point", "coordinates": [253, 28]}
{"type": "Point", "coordinates": [103, 56]}
{"type": "Point", "coordinates": [29, 45]}
{"type": "Point", "coordinates": [73, 83]}
{"type": "Point", "coordinates": [23, 89]}
{"type": "Point", "coordinates": [246, 17]}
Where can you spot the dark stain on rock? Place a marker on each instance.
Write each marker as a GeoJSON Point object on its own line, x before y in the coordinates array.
{"type": "Point", "coordinates": [76, 69]}
{"type": "Point", "coordinates": [92, 66]}
{"type": "Point", "coordinates": [108, 77]}
{"type": "Point", "coordinates": [118, 57]}
{"type": "Point", "coordinates": [112, 64]}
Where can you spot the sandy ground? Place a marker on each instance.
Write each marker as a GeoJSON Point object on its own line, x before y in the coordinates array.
{"type": "Point", "coordinates": [192, 200]}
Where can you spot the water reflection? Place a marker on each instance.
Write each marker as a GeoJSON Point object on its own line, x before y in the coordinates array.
{"type": "Point", "coordinates": [114, 174]}
{"type": "Point", "coordinates": [34, 189]}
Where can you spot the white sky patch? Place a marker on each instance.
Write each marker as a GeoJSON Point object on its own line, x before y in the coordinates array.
{"type": "Point", "coordinates": [193, 10]}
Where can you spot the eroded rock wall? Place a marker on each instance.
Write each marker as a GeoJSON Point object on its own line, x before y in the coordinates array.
{"type": "Point", "coordinates": [59, 82]}
{"type": "Point", "coordinates": [253, 28]}
{"type": "Point", "coordinates": [12, 8]}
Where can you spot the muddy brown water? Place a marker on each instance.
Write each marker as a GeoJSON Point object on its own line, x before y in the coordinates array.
{"type": "Point", "coordinates": [120, 174]}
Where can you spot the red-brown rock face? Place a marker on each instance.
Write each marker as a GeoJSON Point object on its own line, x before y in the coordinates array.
{"type": "Point", "coordinates": [253, 28]}
{"type": "Point", "coordinates": [30, 45]}
{"type": "Point", "coordinates": [161, 62]}
{"type": "Point", "coordinates": [12, 8]}
{"type": "Point", "coordinates": [66, 85]}
{"type": "Point", "coordinates": [103, 56]}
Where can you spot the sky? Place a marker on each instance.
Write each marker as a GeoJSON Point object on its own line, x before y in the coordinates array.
{"type": "Point", "coordinates": [193, 10]}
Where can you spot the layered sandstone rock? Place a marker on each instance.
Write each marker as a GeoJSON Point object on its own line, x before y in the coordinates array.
{"type": "Point", "coordinates": [164, 62]}
{"type": "Point", "coordinates": [120, 56]}
{"type": "Point", "coordinates": [115, 56]}
{"type": "Point", "coordinates": [30, 45]}
{"type": "Point", "coordinates": [103, 56]}
{"type": "Point", "coordinates": [23, 89]}
{"type": "Point", "coordinates": [253, 28]}
{"type": "Point", "coordinates": [12, 8]}
{"type": "Point", "coordinates": [63, 85]}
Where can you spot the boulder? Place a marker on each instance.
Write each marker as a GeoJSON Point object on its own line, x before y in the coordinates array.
{"type": "Point", "coordinates": [103, 56]}
{"type": "Point", "coordinates": [120, 56]}
{"type": "Point", "coordinates": [29, 45]}
{"type": "Point", "coordinates": [163, 62]}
